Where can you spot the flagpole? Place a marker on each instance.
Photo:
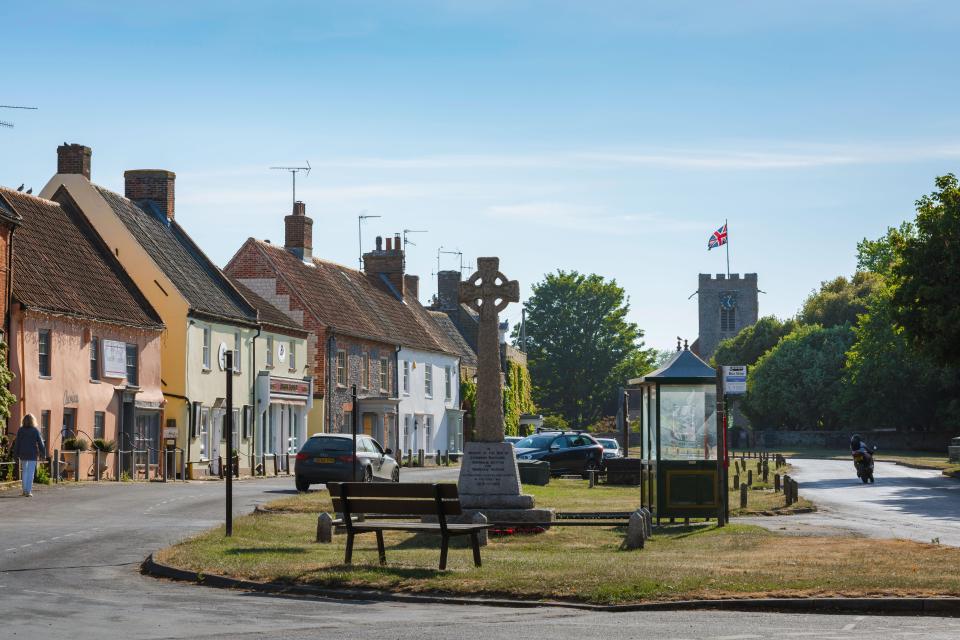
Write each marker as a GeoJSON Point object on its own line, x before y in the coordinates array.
{"type": "Point", "coordinates": [725, 226]}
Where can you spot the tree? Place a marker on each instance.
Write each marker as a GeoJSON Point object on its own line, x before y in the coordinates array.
{"type": "Point", "coordinates": [840, 301]}
{"type": "Point", "coordinates": [752, 342]}
{"type": "Point", "coordinates": [889, 383]}
{"type": "Point", "coordinates": [799, 384]}
{"type": "Point", "coordinates": [927, 275]}
{"type": "Point", "coordinates": [879, 256]}
{"type": "Point", "coordinates": [580, 347]}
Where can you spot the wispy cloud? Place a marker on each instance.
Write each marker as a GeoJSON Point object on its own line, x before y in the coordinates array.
{"type": "Point", "coordinates": [592, 219]}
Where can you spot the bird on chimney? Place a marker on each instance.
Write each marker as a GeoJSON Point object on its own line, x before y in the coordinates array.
{"type": "Point", "coordinates": [29, 191]}
{"type": "Point", "coordinates": [20, 188]}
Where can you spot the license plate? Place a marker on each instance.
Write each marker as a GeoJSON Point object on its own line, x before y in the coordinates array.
{"type": "Point", "coordinates": [323, 460]}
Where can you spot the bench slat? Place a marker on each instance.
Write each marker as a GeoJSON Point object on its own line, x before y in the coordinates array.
{"type": "Point", "coordinates": [416, 507]}
{"type": "Point", "coordinates": [448, 491]}
{"type": "Point", "coordinates": [417, 526]}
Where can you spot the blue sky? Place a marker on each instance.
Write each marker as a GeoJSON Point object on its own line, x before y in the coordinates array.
{"type": "Point", "coordinates": [607, 137]}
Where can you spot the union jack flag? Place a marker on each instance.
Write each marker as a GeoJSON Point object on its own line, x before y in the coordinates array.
{"type": "Point", "coordinates": [718, 238]}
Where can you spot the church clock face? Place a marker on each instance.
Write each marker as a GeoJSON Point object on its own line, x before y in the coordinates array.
{"type": "Point", "coordinates": [728, 300]}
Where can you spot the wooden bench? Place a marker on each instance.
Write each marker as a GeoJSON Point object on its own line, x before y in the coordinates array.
{"type": "Point", "coordinates": [402, 499]}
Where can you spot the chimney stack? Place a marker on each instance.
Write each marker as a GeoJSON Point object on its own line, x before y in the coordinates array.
{"type": "Point", "coordinates": [74, 158]}
{"type": "Point", "coordinates": [448, 290]}
{"type": "Point", "coordinates": [299, 232]}
{"type": "Point", "coordinates": [155, 185]}
{"type": "Point", "coordinates": [390, 263]}
{"type": "Point", "coordinates": [412, 285]}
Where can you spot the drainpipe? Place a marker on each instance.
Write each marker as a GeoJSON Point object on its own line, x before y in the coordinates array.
{"type": "Point", "coordinates": [396, 393]}
{"type": "Point", "coordinates": [331, 373]}
{"type": "Point", "coordinates": [255, 412]}
{"type": "Point", "coordinates": [9, 292]}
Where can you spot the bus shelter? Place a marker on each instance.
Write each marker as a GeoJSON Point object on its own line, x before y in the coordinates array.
{"type": "Point", "coordinates": [681, 438]}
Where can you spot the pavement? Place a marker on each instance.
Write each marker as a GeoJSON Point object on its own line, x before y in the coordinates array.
{"type": "Point", "coordinates": [913, 504]}
{"type": "Point", "coordinates": [69, 562]}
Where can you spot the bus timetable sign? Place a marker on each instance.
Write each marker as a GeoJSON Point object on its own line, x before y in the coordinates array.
{"type": "Point", "coordinates": [735, 380]}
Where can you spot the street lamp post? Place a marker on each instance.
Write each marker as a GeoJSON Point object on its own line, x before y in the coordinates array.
{"type": "Point", "coordinates": [228, 425]}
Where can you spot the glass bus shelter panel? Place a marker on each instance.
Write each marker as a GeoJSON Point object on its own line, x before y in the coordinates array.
{"type": "Point", "coordinates": [688, 422]}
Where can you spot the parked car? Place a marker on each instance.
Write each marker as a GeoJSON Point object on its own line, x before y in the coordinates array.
{"type": "Point", "coordinates": [328, 457]}
{"type": "Point", "coordinates": [512, 439]}
{"type": "Point", "coordinates": [567, 452]}
{"type": "Point", "coordinates": [611, 448]}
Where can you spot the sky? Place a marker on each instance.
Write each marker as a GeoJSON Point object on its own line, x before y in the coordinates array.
{"type": "Point", "coordinates": [604, 137]}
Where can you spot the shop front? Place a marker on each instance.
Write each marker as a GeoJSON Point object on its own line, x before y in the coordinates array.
{"type": "Point", "coordinates": [282, 408]}
{"type": "Point", "coordinates": [378, 419]}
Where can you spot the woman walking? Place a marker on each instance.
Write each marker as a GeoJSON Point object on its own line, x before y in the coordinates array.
{"type": "Point", "coordinates": [28, 448]}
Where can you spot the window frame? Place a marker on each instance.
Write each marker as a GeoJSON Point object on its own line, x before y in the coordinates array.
{"type": "Point", "coordinates": [728, 320]}
{"type": "Point", "coordinates": [237, 351]}
{"type": "Point", "coordinates": [427, 380]}
{"type": "Point", "coordinates": [207, 347]}
{"type": "Point", "coordinates": [101, 418]}
{"type": "Point", "coordinates": [341, 371]}
{"type": "Point", "coordinates": [385, 375]}
{"type": "Point", "coordinates": [95, 359]}
{"type": "Point", "coordinates": [133, 348]}
{"type": "Point", "coordinates": [269, 352]}
{"type": "Point", "coordinates": [448, 383]}
{"type": "Point", "coordinates": [44, 353]}
{"type": "Point", "coordinates": [406, 377]}
{"type": "Point", "coordinates": [293, 354]}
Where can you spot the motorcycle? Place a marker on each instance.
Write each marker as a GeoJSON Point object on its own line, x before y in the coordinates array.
{"type": "Point", "coordinates": [863, 462]}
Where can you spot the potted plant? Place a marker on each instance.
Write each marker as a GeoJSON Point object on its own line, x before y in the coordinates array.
{"type": "Point", "coordinates": [104, 447]}
{"type": "Point", "coordinates": [72, 443]}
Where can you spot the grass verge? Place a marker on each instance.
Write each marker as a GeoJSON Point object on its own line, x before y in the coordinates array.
{"type": "Point", "coordinates": [584, 565]}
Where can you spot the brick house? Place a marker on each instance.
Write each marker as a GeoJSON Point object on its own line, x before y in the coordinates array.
{"type": "Point", "coordinates": [359, 322]}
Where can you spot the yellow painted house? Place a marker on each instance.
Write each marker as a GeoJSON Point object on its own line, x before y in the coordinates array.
{"type": "Point", "coordinates": [202, 311]}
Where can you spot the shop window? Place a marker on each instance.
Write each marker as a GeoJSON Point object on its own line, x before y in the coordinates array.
{"type": "Point", "coordinates": [43, 351]}
{"type": "Point", "coordinates": [99, 421]}
{"type": "Point", "coordinates": [207, 339]}
{"type": "Point", "coordinates": [94, 358]}
{"type": "Point", "coordinates": [133, 365]}
{"type": "Point", "coordinates": [384, 375]}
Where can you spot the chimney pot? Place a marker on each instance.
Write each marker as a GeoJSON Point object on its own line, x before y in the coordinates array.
{"type": "Point", "coordinates": [155, 185]}
{"type": "Point", "coordinates": [379, 243]}
{"type": "Point", "coordinates": [299, 209]}
{"type": "Point", "coordinates": [74, 158]}
{"type": "Point", "coordinates": [389, 244]}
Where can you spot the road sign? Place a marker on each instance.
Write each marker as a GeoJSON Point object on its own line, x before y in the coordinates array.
{"type": "Point", "coordinates": [735, 380]}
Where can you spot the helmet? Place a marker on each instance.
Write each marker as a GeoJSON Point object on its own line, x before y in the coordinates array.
{"type": "Point", "coordinates": [855, 441]}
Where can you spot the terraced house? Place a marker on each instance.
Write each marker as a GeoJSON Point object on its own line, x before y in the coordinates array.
{"type": "Point", "coordinates": [84, 341]}
{"type": "Point", "coordinates": [363, 323]}
{"type": "Point", "coordinates": [204, 315]}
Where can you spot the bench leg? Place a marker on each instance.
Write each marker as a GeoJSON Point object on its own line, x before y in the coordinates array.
{"type": "Point", "coordinates": [475, 540]}
{"type": "Point", "coordinates": [380, 549]}
{"type": "Point", "coordinates": [348, 556]}
{"type": "Point", "coordinates": [443, 552]}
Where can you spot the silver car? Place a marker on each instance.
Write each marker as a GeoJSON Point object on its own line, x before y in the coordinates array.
{"type": "Point", "coordinates": [611, 448]}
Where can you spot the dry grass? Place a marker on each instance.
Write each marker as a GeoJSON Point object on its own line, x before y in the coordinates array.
{"type": "Point", "coordinates": [582, 564]}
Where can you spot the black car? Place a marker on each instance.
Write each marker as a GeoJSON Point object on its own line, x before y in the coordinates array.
{"type": "Point", "coordinates": [566, 452]}
{"type": "Point", "coordinates": [328, 457]}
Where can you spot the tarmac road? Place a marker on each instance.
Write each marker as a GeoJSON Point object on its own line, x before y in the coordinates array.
{"type": "Point", "coordinates": [69, 569]}
{"type": "Point", "coordinates": [914, 504]}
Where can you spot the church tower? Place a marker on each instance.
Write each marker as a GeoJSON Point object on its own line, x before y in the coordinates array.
{"type": "Point", "coordinates": [727, 305]}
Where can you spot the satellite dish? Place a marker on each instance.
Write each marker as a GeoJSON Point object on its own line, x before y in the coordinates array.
{"type": "Point", "coordinates": [222, 356]}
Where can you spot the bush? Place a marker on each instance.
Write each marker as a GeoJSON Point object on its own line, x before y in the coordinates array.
{"type": "Point", "coordinates": [106, 446]}
{"type": "Point", "coordinates": [75, 443]}
{"type": "Point", "coordinates": [42, 476]}
{"type": "Point", "coordinates": [556, 423]}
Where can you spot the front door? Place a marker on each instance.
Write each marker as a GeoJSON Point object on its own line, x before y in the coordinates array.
{"type": "Point", "coordinates": [146, 434]}
{"type": "Point", "coordinates": [69, 428]}
{"type": "Point", "coordinates": [368, 420]}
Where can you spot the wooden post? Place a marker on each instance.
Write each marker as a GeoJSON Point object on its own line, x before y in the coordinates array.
{"type": "Point", "coordinates": [750, 477]}
{"type": "Point", "coordinates": [776, 483]}
{"type": "Point", "coordinates": [743, 496]}
{"type": "Point", "coordinates": [736, 480]}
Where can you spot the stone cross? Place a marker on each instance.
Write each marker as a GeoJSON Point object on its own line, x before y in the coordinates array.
{"type": "Point", "coordinates": [488, 292]}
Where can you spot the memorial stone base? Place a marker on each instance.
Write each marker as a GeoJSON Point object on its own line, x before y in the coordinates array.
{"type": "Point", "coordinates": [490, 484]}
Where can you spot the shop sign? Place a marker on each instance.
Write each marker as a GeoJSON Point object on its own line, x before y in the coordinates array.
{"type": "Point", "coordinates": [114, 359]}
{"type": "Point", "coordinates": [280, 386]}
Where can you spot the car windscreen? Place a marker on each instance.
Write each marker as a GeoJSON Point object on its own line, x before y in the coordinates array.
{"type": "Point", "coordinates": [608, 444]}
{"type": "Point", "coordinates": [535, 442]}
{"type": "Point", "coordinates": [328, 444]}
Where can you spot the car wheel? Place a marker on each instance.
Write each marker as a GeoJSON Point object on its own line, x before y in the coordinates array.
{"type": "Point", "coordinates": [367, 474]}
{"type": "Point", "coordinates": [395, 476]}
{"type": "Point", "coordinates": [302, 485]}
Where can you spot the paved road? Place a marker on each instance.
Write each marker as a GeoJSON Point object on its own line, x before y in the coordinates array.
{"type": "Point", "coordinates": [68, 569]}
{"type": "Point", "coordinates": [915, 504]}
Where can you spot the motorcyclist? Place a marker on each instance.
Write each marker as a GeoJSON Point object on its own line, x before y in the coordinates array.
{"type": "Point", "coordinates": [857, 444]}
{"type": "Point", "coordinates": [864, 468]}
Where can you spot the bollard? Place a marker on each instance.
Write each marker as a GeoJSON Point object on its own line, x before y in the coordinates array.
{"type": "Point", "coordinates": [743, 496]}
{"type": "Point", "coordinates": [592, 473]}
{"type": "Point", "coordinates": [736, 480]}
{"type": "Point", "coordinates": [776, 483]}
{"type": "Point", "coordinates": [636, 532]}
{"type": "Point", "coordinates": [750, 477]}
{"type": "Point", "coordinates": [786, 490]}
{"type": "Point", "coordinates": [446, 458]}
{"type": "Point", "coordinates": [324, 528]}
{"type": "Point", "coordinates": [420, 457]}
{"type": "Point", "coordinates": [437, 459]}
{"type": "Point", "coordinates": [479, 518]}
{"type": "Point", "coordinates": [220, 466]}
{"type": "Point", "coordinates": [766, 473]}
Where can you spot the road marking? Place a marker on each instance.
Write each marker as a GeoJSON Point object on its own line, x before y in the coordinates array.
{"type": "Point", "coordinates": [852, 625]}
{"type": "Point", "coordinates": [14, 549]}
{"type": "Point", "coordinates": [41, 541]}
{"type": "Point", "coordinates": [747, 636]}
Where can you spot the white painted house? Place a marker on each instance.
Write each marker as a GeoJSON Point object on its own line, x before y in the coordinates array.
{"type": "Point", "coordinates": [429, 410]}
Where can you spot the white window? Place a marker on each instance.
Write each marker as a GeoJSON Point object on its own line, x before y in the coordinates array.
{"type": "Point", "coordinates": [406, 377]}
{"type": "Point", "coordinates": [384, 375]}
{"type": "Point", "coordinates": [204, 434]}
{"type": "Point", "coordinates": [269, 351]}
{"type": "Point", "coordinates": [428, 380]}
{"type": "Point", "coordinates": [428, 433]}
{"type": "Point", "coordinates": [235, 431]}
{"type": "Point", "coordinates": [207, 339]}
{"type": "Point", "coordinates": [448, 383]}
{"type": "Point", "coordinates": [341, 367]}
{"type": "Point", "coordinates": [237, 352]}
{"type": "Point", "coordinates": [293, 355]}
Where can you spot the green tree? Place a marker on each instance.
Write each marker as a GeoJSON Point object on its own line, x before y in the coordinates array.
{"type": "Point", "coordinates": [840, 300]}
{"type": "Point", "coordinates": [799, 384]}
{"type": "Point", "coordinates": [752, 342]}
{"type": "Point", "coordinates": [888, 382]}
{"type": "Point", "coordinates": [927, 275]}
{"type": "Point", "coordinates": [879, 256]}
{"type": "Point", "coordinates": [580, 346]}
